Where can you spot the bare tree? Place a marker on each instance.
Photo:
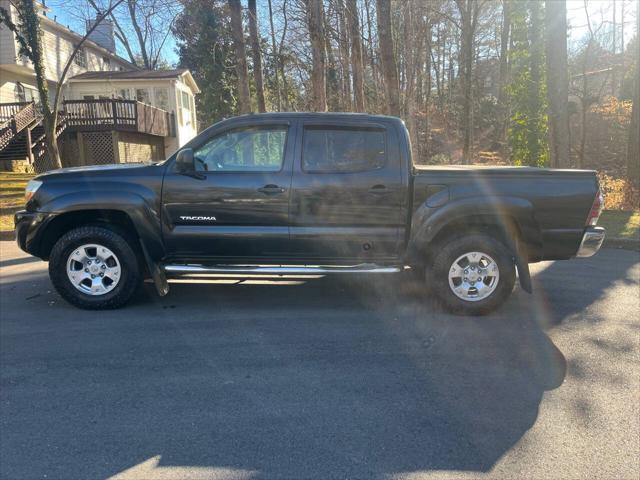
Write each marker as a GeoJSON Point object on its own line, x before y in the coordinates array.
{"type": "Point", "coordinates": [257, 56]}
{"type": "Point", "coordinates": [387, 55]}
{"type": "Point", "coordinates": [315, 20]}
{"type": "Point", "coordinates": [142, 28]}
{"type": "Point", "coordinates": [468, 10]}
{"type": "Point", "coordinates": [503, 121]}
{"type": "Point", "coordinates": [276, 59]}
{"type": "Point", "coordinates": [633, 147]}
{"type": "Point", "coordinates": [237, 32]}
{"type": "Point", "coordinates": [555, 13]}
{"type": "Point", "coordinates": [356, 55]}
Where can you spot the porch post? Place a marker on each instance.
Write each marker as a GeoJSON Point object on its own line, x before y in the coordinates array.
{"type": "Point", "coordinates": [29, 146]}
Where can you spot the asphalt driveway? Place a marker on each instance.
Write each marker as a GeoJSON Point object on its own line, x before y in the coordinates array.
{"type": "Point", "coordinates": [323, 378]}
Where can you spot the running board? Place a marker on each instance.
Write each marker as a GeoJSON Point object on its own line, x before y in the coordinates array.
{"type": "Point", "coordinates": [278, 270]}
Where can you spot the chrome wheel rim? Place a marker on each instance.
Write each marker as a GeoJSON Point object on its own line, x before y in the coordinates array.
{"type": "Point", "coordinates": [93, 269]}
{"type": "Point", "coordinates": [474, 276]}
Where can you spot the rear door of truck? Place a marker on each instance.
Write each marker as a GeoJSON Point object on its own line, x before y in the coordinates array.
{"type": "Point", "coordinates": [348, 199]}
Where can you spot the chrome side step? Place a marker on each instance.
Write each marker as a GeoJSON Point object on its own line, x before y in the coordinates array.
{"type": "Point", "coordinates": [278, 269]}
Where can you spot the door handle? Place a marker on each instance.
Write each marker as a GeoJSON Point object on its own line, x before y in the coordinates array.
{"type": "Point", "coordinates": [271, 189]}
{"type": "Point", "coordinates": [378, 189]}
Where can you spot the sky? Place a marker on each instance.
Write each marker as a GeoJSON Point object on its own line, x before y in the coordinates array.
{"type": "Point", "coordinates": [599, 10]}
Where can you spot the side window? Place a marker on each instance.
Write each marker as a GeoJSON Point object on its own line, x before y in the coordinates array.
{"type": "Point", "coordinates": [162, 98]}
{"type": "Point", "coordinates": [244, 150]}
{"type": "Point", "coordinates": [343, 149]}
{"type": "Point", "coordinates": [142, 95]}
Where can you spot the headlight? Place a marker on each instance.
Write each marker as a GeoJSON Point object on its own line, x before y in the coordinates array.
{"type": "Point", "coordinates": [32, 188]}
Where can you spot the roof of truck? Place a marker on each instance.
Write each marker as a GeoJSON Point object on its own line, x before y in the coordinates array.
{"type": "Point", "coordinates": [319, 115]}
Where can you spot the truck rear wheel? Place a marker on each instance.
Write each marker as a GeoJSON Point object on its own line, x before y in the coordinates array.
{"type": "Point", "coordinates": [94, 268]}
{"type": "Point", "coordinates": [473, 275]}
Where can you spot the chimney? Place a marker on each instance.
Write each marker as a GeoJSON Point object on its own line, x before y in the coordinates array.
{"type": "Point", "coordinates": [103, 33]}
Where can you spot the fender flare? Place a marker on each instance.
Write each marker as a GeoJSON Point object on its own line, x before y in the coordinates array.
{"type": "Point", "coordinates": [505, 212]}
{"type": "Point", "coordinates": [143, 216]}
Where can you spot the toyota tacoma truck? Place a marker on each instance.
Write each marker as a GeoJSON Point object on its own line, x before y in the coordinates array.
{"type": "Point", "coordinates": [306, 193]}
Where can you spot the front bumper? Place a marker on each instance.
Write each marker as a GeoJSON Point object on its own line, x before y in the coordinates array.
{"type": "Point", "coordinates": [29, 228]}
{"type": "Point", "coordinates": [591, 241]}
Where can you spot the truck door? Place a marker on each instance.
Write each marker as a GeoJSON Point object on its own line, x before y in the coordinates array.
{"type": "Point", "coordinates": [348, 195]}
{"type": "Point", "coordinates": [237, 203]}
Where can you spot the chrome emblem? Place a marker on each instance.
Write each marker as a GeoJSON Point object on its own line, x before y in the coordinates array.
{"type": "Point", "coordinates": [197, 218]}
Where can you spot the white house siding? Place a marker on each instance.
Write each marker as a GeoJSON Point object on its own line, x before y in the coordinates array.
{"type": "Point", "coordinates": [58, 46]}
{"type": "Point", "coordinates": [186, 125]}
{"type": "Point", "coordinates": [7, 43]}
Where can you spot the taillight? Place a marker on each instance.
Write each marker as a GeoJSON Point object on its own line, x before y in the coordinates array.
{"type": "Point", "coordinates": [596, 210]}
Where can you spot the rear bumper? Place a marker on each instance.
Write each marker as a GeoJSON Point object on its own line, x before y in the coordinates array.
{"type": "Point", "coordinates": [591, 241]}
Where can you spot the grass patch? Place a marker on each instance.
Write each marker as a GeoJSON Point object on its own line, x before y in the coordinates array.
{"type": "Point", "coordinates": [621, 224]}
{"type": "Point", "coordinates": [12, 187]}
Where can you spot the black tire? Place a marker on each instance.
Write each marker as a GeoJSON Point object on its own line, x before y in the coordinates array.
{"type": "Point", "coordinates": [130, 271]}
{"type": "Point", "coordinates": [438, 275]}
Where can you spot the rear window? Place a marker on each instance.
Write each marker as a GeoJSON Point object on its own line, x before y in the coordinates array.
{"type": "Point", "coordinates": [343, 149]}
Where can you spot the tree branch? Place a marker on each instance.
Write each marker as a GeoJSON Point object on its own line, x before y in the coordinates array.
{"type": "Point", "coordinates": [63, 75]}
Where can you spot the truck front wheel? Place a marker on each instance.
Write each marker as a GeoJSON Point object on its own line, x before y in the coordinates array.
{"type": "Point", "coordinates": [472, 275]}
{"type": "Point", "coordinates": [94, 268]}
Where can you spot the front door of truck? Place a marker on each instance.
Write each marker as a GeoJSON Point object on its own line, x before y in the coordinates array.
{"type": "Point", "coordinates": [348, 194]}
{"type": "Point", "coordinates": [236, 203]}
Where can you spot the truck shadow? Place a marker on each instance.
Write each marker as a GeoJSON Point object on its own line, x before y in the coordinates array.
{"type": "Point", "coordinates": [290, 379]}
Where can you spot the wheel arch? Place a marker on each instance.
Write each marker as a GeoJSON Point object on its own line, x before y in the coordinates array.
{"type": "Point", "coordinates": [129, 212]}
{"type": "Point", "coordinates": [508, 219]}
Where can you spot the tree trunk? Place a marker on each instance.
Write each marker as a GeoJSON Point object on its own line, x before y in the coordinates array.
{"type": "Point", "coordinates": [356, 55]}
{"type": "Point", "coordinates": [315, 19]}
{"type": "Point", "coordinates": [372, 61]}
{"type": "Point", "coordinates": [535, 67]}
{"type": "Point", "coordinates": [465, 7]}
{"type": "Point", "coordinates": [389, 67]}
{"type": "Point", "coordinates": [237, 32]}
{"type": "Point", "coordinates": [343, 40]}
{"type": "Point", "coordinates": [257, 57]}
{"type": "Point", "coordinates": [503, 107]}
{"type": "Point", "coordinates": [557, 81]}
{"type": "Point", "coordinates": [50, 117]}
{"type": "Point", "coordinates": [633, 147]}
{"type": "Point", "coordinates": [276, 58]}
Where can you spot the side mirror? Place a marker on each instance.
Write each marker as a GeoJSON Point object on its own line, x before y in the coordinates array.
{"type": "Point", "coordinates": [184, 161]}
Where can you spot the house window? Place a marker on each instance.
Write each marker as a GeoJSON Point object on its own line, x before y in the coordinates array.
{"type": "Point", "coordinates": [19, 93]}
{"type": "Point", "coordinates": [162, 98]}
{"type": "Point", "coordinates": [142, 95]}
{"type": "Point", "coordinates": [25, 93]}
{"type": "Point", "coordinates": [106, 63]}
{"type": "Point", "coordinates": [124, 93]}
{"type": "Point", "coordinates": [186, 111]}
{"type": "Point", "coordinates": [80, 58]}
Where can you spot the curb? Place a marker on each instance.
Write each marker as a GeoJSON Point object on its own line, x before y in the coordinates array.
{"type": "Point", "coordinates": [8, 235]}
{"type": "Point", "coordinates": [622, 243]}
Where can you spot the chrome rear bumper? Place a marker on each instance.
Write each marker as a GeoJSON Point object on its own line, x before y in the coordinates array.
{"type": "Point", "coordinates": [591, 241]}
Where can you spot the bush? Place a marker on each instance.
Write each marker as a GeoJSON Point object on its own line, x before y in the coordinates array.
{"type": "Point", "coordinates": [619, 193]}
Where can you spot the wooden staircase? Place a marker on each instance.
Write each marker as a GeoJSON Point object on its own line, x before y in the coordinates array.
{"type": "Point", "coordinates": [18, 123]}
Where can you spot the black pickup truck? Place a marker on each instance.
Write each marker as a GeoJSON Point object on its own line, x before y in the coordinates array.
{"type": "Point", "coordinates": [306, 193]}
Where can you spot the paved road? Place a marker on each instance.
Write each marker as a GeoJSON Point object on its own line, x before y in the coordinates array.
{"type": "Point", "coordinates": [325, 378]}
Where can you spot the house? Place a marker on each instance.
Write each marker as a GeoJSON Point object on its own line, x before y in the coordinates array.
{"type": "Point", "coordinates": [168, 90]}
{"type": "Point", "coordinates": [112, 111]}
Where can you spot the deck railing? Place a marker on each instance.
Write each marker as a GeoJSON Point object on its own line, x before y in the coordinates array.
{"type": "Point", "coordinates": [8, 110]}
{"type": "Point", "coordinates": [112, 114]}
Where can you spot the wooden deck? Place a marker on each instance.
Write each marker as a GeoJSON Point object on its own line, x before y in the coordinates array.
{"type": "Point", "coordinates": [121, 115]}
